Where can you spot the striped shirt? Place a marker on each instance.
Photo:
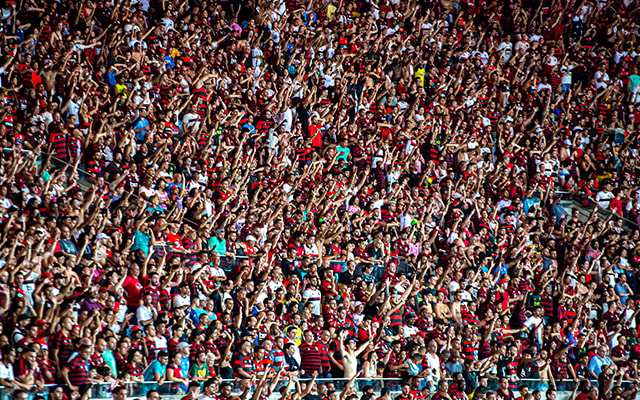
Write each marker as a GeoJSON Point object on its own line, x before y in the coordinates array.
{"type": "Point", "coordinates": [311, 357]}
{"type": "Point", "coordinates": [78, 371]}
{"type": "Point", "coordinates": [62, 342]}
{"type": "Point", "coordinates": [244, 362]}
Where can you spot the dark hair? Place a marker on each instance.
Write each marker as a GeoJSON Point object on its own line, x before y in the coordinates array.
{"type": "Point", "coordinates": [209, 382]}
{"type": "Point", "coordinates": [131, 354]}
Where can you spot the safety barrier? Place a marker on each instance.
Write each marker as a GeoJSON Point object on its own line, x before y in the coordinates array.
{"type": "Point", "coordinates": [169, 391]}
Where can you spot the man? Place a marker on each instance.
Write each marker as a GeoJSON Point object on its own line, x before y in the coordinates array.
{"type": "Point", "coordinates": [443, 391]}
{"type": "Point", "coordinates": [310, 355]}
{"type": "Point", "coordinates": [108, 356]}
{"type": "Point", "coordinates": [61, 347]}
{"type": "Point", "coordinates": [19, 332]}
{"type": "Point", "coordinates": [209, 388]}
{"type": "Point", "coordinates": [28, 371]}
{"type": "Point", "coordinates": [405, 392]}
{"type": "Point", "coordinates": [120, 393]}
{"type": "Point", "coordinates": [193, 393]}
{"type": "Point", "coordinates": [534, 323]}
{"type": "Point", "coordinates": [183, 299]}
{"type": "Point", "coordinates": [503, 392]}
{"type": "Point", "coordinates": [146, 313]}
{"type": "Point", "coordinates": [225, 391]}
{"type": "Point", "coordinates": [153, 395]}
{"type": "Point", "coordinates": [291, 365]}
{"type": "Point", "coordinates": [183, 349]}
{"type": "Point", "coordinates": [598, 361]}
{"type": "Point", "coordinates": [277, 354]}
{"type": "Point", "coordinates": [76, 373]}
{"type": "Point", "coordinates": [57, 393]}
{"type": "Point", "coordinates": [350, 354]}
{"type": "Point", "coordinates": [157, 369]}
{"type": "Point", "coordinates": [150, 349]}
{"type": "Point", "coordinates": [99, 363]}
{"type": "Point", "coordinates": [218, 244]}
{"type": "Point", "coordinates": [199, 369]}
{"type": "Point", "coordinates": [313, 295]}
{"type": "Point", "coordinates": [7, 378]}
{"type": "Point", "coordinates": [432, 362]}
{"type": "Point", "coordinates": [153, 288]}
{"type": "Point", "coordinates": [20, 395]}
{"type": "Point", "coordinates": [243, 364]}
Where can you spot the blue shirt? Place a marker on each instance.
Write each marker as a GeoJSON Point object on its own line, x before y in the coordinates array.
{"type": "Point", "coordinates": [154, 368]}
{"type": "Point", "coordinates": [141, 242]}
{"type": "Point", "coordinates": [111, 78]}
{"type": "Point", "coordinates": [219, 246]}
{"type": "Point", "coordinates": [142, 123]}
{"type": "Point", "coordinates": [184, 366]}
{"type": "Point", "coordinates": [596, 364]}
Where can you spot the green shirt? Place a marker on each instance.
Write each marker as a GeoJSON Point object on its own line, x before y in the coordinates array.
{"type": "Point", "coordinates": [634, 80]}
{"type": "Point", "coordinates": [219, 246]}
{"type": "Point", "coordinates": [110, 361]}
{"type": "Point", "coordinates": [343, 153]}
{"type": "Point", "coordinates": [154, 368]}
{"type": "Point", "coordinates": [198, 372]}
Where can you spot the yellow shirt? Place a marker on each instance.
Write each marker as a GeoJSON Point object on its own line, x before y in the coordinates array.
{"type": "Point", "coordinates": [420, 73]}
{"type": "Point", "coordinates": [331, 9]}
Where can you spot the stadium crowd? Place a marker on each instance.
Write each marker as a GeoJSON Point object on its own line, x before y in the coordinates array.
{"type": "Point", "coordinates": [281, 192]}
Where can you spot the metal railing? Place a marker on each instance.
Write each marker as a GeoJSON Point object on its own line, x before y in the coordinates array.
{"type": "Point", "coordinates": [170, 390]}
{"type": "Point", "coordinates": [586, 206]}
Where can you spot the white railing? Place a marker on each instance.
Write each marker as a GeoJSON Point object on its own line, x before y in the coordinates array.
{"type": "Point", "coordinates": [168, 390]}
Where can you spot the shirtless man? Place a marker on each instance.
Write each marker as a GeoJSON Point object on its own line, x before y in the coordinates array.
{"type": "Point", "coordinates": [456, 312]}
{"type": "Point", "coordinates": [441, 309]}
{"type": "Point", "coordinates": [350, 354]}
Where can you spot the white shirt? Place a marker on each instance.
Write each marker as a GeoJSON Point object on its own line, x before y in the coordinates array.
{"type": "Point", "coordinates": [602, 80]}
{"type": "Point", "coordinates": [603, 199]}
{"type": "Point", "coordinates": [543, 86]}
{"type": "Point", "coordinates": [408, 331]}
{"type": "Point", "coordinates": [313, 296]}
{"type": "Point", "coordinates": [161, 343]}
{"type": "Point", "coordinates": [433, 366]}
{"type": "Point", "coordinates": [143, 313]}
{"type": "Point", "coordinates": [218, 272]}
{"type": "Point", "coordinates": [536, 322]}
{"type": "Point", "coordinates": [180, 301]}
{"type": "Point", "coordinates": [507, 48]}
{"type": "Point", "coordinates": [6, 372]}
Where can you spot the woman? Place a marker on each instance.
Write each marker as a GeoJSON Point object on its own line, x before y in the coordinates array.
{"type": "Point", "coordinates": [174, 374]}
{"type": "Point", "coordinates": [369, 367]}
{"type": "Point", "coordinates": [134, 367]}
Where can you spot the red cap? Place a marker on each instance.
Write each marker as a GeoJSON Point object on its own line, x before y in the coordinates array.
{"type": "Point", "coordinates": [46, 275]}
{"type": "Point", "coordinates": [41, 322]}
{"type": "Point", "coordinates": [135, 329]}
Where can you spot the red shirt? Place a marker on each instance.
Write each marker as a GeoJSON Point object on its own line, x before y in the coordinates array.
{"type": "Point", "coordinates": [316, 135]}
{"type": "Point", "coordinates": [133, 287]}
